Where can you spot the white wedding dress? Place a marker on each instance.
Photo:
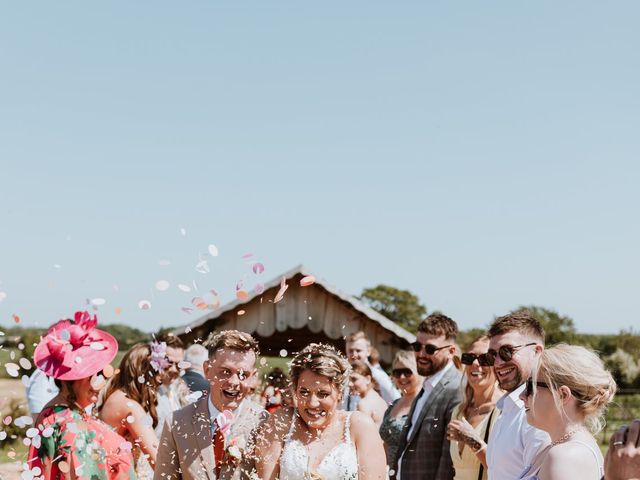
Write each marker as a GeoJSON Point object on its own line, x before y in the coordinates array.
{"type": "Point", "coordinates": [341, 463]}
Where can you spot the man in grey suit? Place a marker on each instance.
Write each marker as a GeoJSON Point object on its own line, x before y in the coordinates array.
{"type": "Point", "coordinates": [423, 452]}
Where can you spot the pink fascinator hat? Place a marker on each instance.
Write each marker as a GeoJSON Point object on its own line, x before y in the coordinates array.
{"type": "Point", "coordinates": [75, 349]}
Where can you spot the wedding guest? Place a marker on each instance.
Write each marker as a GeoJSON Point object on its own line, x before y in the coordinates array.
{"type": "Point", "coordinates": [473, 419]}
{"type": "Point", "coordinates": [274, 393]}
{"type": "Point", "coordinates": [358, 348]}
{"type": "Point", "coordinates": [129, 405]}
{"type": "Point", "coordinates": [566, 397]}
{"type": "Point", "coordinates": [317, 440]}
{"type": "Point", "coordinates": [40, 390]}
{"type": "Point", "coordinates": [362, 384]}
{"type": "Point", "coordinates": [516, 341]}
{"type": "Point", "coordinates": [173, 391]}
{"type": "Point", "coordinates": [423, 451]}
{"type": "Point", "coordinates": [195, 355]}
{"type": "Point", "coordinates": [70, 444]}
{"type": "Point", "coordinates": [213, 437]}
{"type": "Point", "coordinates": [405, 376]}
{"type": "Point", "coordinates": [622, 461]}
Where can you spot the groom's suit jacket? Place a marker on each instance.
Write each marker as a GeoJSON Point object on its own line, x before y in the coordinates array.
{"type": "Point", "coordinates": [426, 451]}
{"type": "Point", "coordinates": [186, 446]}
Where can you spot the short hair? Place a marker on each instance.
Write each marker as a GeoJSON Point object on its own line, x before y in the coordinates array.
{"type": "Point", "coordinates": [374, 356]}
{"type": "Point", "coordinates": [521, 321]}
{"type": "Point", "coordinates": [359, 335]}
{"type": "Point", "coordinates": [322, 360]}
{"type": "Point", "coordinates": [584, 373]}
{"type": "Point", "coordinates": [361, 368]}
{"type": "Point", "coordinates": [231, 340]}
{"type": "Point", "coordinates": [171, 340]}
{"type": "Point", "coordinates": [438, 324]}
{"type": "Point", "coordinates": [406, 357]}
{"type": "Point", "coordinates": [196, 354]}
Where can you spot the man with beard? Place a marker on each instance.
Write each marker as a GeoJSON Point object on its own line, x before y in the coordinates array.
{"type": "Point", "coordinates": [423, 451]}
{"type": "Point", "coordinates": [515, 342]}
{"type": "Point", "coordinates": [213, 437]}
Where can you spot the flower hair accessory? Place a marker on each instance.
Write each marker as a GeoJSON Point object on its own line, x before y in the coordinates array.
{"type": "Point", "coordinates": [159, 361]}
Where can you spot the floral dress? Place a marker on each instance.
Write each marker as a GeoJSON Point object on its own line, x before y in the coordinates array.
{"type": "Point", "coordinates": [68, 439]}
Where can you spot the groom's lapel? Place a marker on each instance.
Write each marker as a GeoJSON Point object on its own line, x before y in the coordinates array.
{"type": "Point", "coordinates": [202, 433]}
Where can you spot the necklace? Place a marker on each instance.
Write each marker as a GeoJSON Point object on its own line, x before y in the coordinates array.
{"type": "Point", "coordinates": [563, 438]}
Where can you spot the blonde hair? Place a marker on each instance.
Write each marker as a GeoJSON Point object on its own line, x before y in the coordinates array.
{"type": "Point", "coordinates": [232, 340]}
{"type": "Point", "coordinates": [583, 372]}
{"type": "Point", "coordinates": [135, 364]}
{"type": "Point", "coordinates": [407, 358]}
{"type": "Point", "coordinates": [322, 360]}
{"type": "Point", "coordinates": [467, 396]}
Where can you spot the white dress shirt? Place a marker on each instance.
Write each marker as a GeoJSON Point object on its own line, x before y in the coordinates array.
{"type": "Point", "coordinates": [427, 387]}
{"type": "Point", "coordinates": [387, 391]}
{"type": "Point", "coordinates": [513, 443]}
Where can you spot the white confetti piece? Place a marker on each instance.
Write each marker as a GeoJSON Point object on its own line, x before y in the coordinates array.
{"type": "Point", "coordinates": [183, 232]}
{"type": "Point", "coordinates": [96, 346]}
{"type": "Point", "coordinates": [184, 364]}
{"type": "Point", "coordinates": [141, 379]}
{"type": "Point", "coordinates": [32, 432]}
{"type": "Point", "coordinates": [162, 285]}
{"type": "Point", "coordinates": [184, 288]}
{"type": "Point", "coordinates": [164, 263]}
{"type": "Point", "coordinates": [98, 301]}
{"type": "Point", "coordinates": [25, 380]}
{"type": "Point", "coordinates": [202, 267]}
{"type": "Point", "coordinates": [12, 369]}
{"type": "Point", "coordinates": [213, 250]}
{"type": "Point", "coordinates": [193, 396]}
{"type": "Point", "coordinates": [131, 419]}
{"type": "Point", "coordinates": [3, 295]}
{"type": "Point", "coordinates": [283, 353]}
{"type": "Point", "coordinates": [47, 432]}
{"type": "Point", "coordinates": [3, 435]}
{"type": "Point", "coordinates": [25, 363]}
{"type": "Point", "coordinates": [144, 304]}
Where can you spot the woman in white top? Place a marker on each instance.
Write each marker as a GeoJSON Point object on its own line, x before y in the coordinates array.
{"type": "Point", "coordinates": [316, 440]}
{"type": "Point", "coordinates": [566, 397]}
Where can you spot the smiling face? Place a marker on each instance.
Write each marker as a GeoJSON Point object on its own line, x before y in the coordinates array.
{"type": "Point", "coordinates": [541, 408]}
{"type": "Point", "coordinates": [359, 384]}
{"type": "Point", "coordinates": [230, 373]}
{"type": "Point", "coordinates": [477, 376]}
{"type": "Point", "coordinates": [513, 373]}
{"type": "Point", "coordinates": [358, 350]}
{"type": "Point", "coordinates": [317, 398]}
{"type": "Point", "coordinates": [431, 364]}
{"type": "Point", "coordinates": [174, 356]}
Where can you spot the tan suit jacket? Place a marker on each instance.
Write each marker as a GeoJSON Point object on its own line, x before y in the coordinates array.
{"type": "Point", "coordinates": [186, 448]}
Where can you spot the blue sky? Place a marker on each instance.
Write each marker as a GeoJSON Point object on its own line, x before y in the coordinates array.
{"type": "Point", "coordinates": [481, 155]}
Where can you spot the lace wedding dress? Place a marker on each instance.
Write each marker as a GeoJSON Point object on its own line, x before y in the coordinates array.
{"type": "Point", "coordinates": [341, 463]}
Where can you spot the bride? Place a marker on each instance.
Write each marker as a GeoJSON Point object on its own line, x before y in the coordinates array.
{"type": "Point", "coordinates": [316, 440]}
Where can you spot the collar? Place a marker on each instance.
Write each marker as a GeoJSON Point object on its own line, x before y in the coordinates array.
{"type": "Point", "coordinates": [511, 399]}
{"type": "Point", "coordinates": [430, 382]}
{"type": "Point", "coordinates": [213, 411]}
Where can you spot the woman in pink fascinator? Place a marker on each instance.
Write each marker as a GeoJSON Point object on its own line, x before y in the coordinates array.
{"type": "Point", "coordinates": [70, 442]}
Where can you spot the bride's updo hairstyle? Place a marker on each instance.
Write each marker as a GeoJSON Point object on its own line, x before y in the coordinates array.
{"type": "Point", "coordinates": [322, 360]}
{"type": "Point", "coordinates": [582, 371]}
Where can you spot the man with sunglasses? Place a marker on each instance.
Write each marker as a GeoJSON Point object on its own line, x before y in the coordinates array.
{"type": "Point", "coordinates": [423, 451]}
{"type": "Point", "coordinates": [515, 343]}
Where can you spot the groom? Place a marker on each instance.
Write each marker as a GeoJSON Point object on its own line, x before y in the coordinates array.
{"type": "Point", "coordinates": [212, 438]}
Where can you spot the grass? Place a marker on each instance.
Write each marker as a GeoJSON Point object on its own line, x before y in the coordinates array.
{"type": "Point", "coordinates": [19, 448]}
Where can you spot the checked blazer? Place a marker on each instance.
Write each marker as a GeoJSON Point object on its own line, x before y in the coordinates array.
{"type": "Point", "coordinates": [426, 452]}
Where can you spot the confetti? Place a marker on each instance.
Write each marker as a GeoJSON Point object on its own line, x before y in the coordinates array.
{"type": "Point", "coordinates": [144, 304]}
{"type": "Point", "coordinates": [188, 311]}
{"type": "Point", "coordinates": [7, 420]}
{"type": "Point", "coordinates": [202, 267]}
{"type": "Point", "coordinates": [184, 364]}
{"type": "Point", "coordinates": [25, 380]}
{"type": "Point", "coordinates": [162, 285]}
{"type": "Point", "coordinates": [258, 268]}
{"type": "Point", "coordinates": [3, 295]}
{"type": "Point", "coordinates": [263, 362]}
{"type": "Point", "coordinates": [98, 382]}
{"type": "Point", "coordinates": [64, 467]}
{"type": "Point", "coordinates": [16, 318]}
{"type": "Point", "coordinates": [213, 250]}
{"type": "Point", "coordinates": [199, 303]}
{"type": "Point", "coordinates": [47, 432]}
{"type": "Point", "coordinates": [187, 330]}
{"type": "Point", "coordinates": [241, 312]}
{"type": "Point", "coordinates": [183, 232]}
{"type": "Point", "coordinates": [22, 421]}
{"type": "Point", "coordinates": [11, 454]}
{"type": "Point", "coordinates": [283, 353]}
{"type": "Point", "coordinates": [184, 288]}
{"type": "Point", "coordinates": [3, 435]}
{"type": "Point", "coordinates": [242, 295]}
{"type": "Point", "coordinates": [108, 371]}
{"type": "Point", "coordinates": [283, 288]}
{"type": "Point", "coordinates": [96, 346]}
{"type": "Point", "coordinates": [98, 301]}
{"type": "Point", "coordinates": [259, 288]}
{"type": "Point", "coordinates": [25, 363]}
{"type": "Point", "coordinates": [247, 256]}
{"type": "Point", "coordinates": [193, 396]}
{"type": "Point", "coordinates": [32, 432]}
{"type": "Point", "coordinates": [118, 310]}
{"type": "Point", "coordinates": [308, 280]}
{"type": "Point", "coordinates": [141, 379]}
{"type": "Point", "coordinates": [164, 263]}
{"type": "Point", "coordinates": [57, 265]}
{"type": "Point", "coordinates": [131, 419]}
{"type": "Point", "coordinates": [12, 369]}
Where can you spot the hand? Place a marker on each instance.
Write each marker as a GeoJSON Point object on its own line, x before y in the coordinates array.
{"type": "Point", "coordinates": [622, 461]}
{"type": "Point", "coordinates": [462, 431]}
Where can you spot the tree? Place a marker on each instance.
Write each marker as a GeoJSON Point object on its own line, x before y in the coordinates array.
{"type": "Point", "coordinates": [400, 306]}
{"type": "Point", "coordinates": [558, 328]}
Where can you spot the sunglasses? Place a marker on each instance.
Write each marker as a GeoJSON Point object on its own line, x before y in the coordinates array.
{"type": "Point", "coordinates": [505, 352]}
{"type": "Point", "coordinates": [398, 372]}
{"type": "Point", "coordinates": [428, 348]}
{"type": "Point", "coordinates": [469, 358]}
{"type": "Point", "coordinates": [529, 388]}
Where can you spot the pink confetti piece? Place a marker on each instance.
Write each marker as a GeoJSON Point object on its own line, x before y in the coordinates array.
{"type": "Point", "coordinates": [247, 256]}
{"type": "Point", "coordinates": [118, 310]}
{"type": "Point", "coordinates": [308, 280]}
{"type": "Point", "coordinates": [239, 285]}
{"type": "Point", "coordinates": [242, 295]}
{"type": "Point", "coordinates": [224, 420]}
{"type": "Point", "coordinates": [7, 420]}
{"type": "Point", "coordinates": [283, 288]}
{"type": "Point", "coordinates": [259, 288]}
{"type": "Point", "coordinates": [16, 318]}
{"type": "Point", "coordinates": [258, 268]}
{"type": "Point", "coordinates": [162, 285]}
{"type": "Point", "coordinates": [187, 310]}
